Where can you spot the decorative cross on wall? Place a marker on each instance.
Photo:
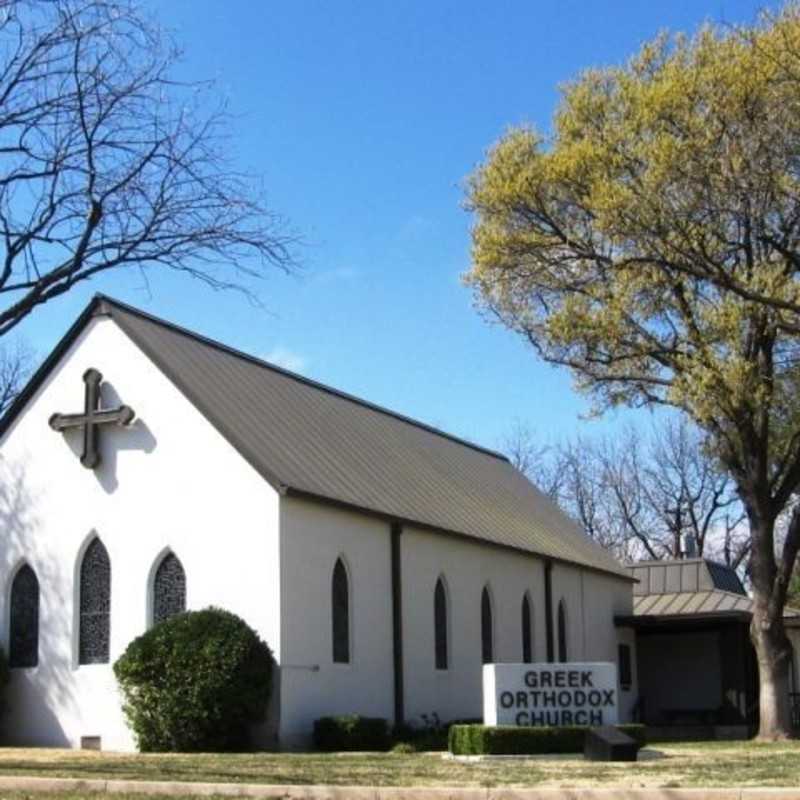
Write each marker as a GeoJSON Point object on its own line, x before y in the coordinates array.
{"type": "Point", "coordinates": [92, 418]}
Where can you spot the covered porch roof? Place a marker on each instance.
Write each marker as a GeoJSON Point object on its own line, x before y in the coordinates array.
{"type": "Point", "coordinates": [688, 592]}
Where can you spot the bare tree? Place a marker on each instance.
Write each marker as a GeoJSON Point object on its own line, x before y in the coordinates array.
{"type": "Point", "coordinates": [568, 472]}
{"type": "Point", "coordinates": [693, 495]}
{"type": "Point", "coordinates": [107, 163]}
{"type": "Point", "coordinates": [639, 495]}
{"type": "Point", "coordinates": [539, 462]}
{"type": "Point", "coordinates": [16, 361]}
{"type": "Point", "coordinates": [621, 464]}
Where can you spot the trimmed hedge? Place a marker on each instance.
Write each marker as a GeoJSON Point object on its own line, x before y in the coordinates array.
{"type": "Point", "coordinates": [195, 682]}
{"type": "Point", "coordinates": [428, 738]}
{"type": "Point", "coordinates": [351, 732]}
{"type": "Point", "coordinates": [507, 740]}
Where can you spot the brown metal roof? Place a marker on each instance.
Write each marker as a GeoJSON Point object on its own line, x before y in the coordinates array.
{"type": "Point", "coordinates": [687, 589]}
{"type": "Point", "coordinates": [313, 441]}
{"type": "Point", "coordinates": [684, 575]}
{"type": "Point", "coordinates": [686, 604]}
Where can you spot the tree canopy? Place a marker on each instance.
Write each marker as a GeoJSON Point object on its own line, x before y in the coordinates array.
{"type": "Point", "coordinates": [651, 243]}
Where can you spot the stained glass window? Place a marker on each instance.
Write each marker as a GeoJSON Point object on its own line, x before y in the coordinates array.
{"type": "Point", "coordinates": [95, 605]}
{"type": "Point", "coordinates": [169, 589]}
{"type": "Point", "coordinates": [487, 648]}
{"type": "Point", "coordinates": [562, 632]}
{"type": "Point", "coordinates": [527, 630]}
{"type": "Point", "coordinates": [341, 614]}
{"type": "Point", "coordinates": [23, 643]}
{"type": "Point", "coordinates": [440, 624]}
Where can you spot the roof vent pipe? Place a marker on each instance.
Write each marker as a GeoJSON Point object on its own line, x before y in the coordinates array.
{"type": "Point", "coordinates": [688, 546]}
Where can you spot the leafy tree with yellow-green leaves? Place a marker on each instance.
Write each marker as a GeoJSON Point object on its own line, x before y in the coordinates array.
{"type": "Point", "coordinates": [651, 244]}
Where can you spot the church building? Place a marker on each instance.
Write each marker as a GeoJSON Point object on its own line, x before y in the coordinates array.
{"type": "Point", "coordinates": [146, 470]}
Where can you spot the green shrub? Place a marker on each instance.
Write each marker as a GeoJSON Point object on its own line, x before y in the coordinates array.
{"type": "Point", "coordinates": [351, 732]}
{"type": "Point", "coordinates": [196, 682]}
{"type": "Point", "coordinates": [403, 749]}
{"type": "Point", "coordinates": [432, 736]}
{"type": "Point", "coordinates": [471, 740]}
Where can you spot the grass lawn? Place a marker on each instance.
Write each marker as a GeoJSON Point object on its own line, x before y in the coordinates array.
{"type": "Point", "coordinates": [104, 796]}
{"type": "Point", "coordinates": [672, 765]}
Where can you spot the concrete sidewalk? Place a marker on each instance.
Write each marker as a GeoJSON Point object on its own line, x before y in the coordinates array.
{"type": "Point", "coordinates": [75, 785]}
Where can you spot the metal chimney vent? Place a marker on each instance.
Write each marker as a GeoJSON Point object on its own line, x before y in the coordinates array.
{"type": "Point", "coordinates": [688, 546]}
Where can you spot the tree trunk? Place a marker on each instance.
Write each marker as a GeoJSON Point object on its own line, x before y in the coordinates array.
{"type": "Point", "coordinates": [774, 653]}
{"type": "Point", "coordinates": [768, 634]}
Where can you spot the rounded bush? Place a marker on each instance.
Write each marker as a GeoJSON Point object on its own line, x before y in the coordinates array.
{"type": "Point", "coordinates": [195, 682]}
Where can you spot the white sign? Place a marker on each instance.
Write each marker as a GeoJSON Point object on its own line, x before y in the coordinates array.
{"type": "Point", "coordinates": [550, 694]}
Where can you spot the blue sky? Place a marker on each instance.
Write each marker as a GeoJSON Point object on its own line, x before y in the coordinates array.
{"type": "Point", "coordinates": [364, 119]}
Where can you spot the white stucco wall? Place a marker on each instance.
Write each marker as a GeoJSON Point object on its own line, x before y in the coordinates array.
{"type": "Point", "coordinates": [467, 567]}
{"type": "Point", "coordinates": [602, 599]}
{"type": "Point", "coordinates": [170, 481]}
{"type": "Point", "coordinates": [313, 537]}
{"type": "Point", "coordinates": [628, 698]}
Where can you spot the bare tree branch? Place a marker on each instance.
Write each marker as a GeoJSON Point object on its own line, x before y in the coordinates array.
{"type": "Point", "coordinates": [638, 496]}
{"type": "Point", "coordinates": [536, 461]}
{"type": "Point", "coordinates": [107, 163]}
{"type": "Point", "coordinates": [16, 362]}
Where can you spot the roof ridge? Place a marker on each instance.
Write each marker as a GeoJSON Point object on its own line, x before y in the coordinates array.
{"type": "Point", "coordinates": [671, 561]}
{"type": "Point", "coordinates": [216, 344]}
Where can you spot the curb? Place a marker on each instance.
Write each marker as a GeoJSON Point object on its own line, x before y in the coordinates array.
{"type": "Point", "coordinates": [297, 792]}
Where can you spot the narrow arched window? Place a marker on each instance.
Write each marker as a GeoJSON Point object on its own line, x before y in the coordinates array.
{"type": "Point", "coordinates": [562, 632]}
{"type": "Point", "coordinates": [527, 630]}
{"type": "Point", "coordinates": [23, 645]}
{"type": "Point", "coordinates": [440, 624]}
{"type": "Point", "coordinates": [169, 589]}
{"type": "Point", "coordinates": [487, 645]}
{"type": "Point", "coordinates": [341, 614]}
{"type": "Point", "coordinates": [95, 605]}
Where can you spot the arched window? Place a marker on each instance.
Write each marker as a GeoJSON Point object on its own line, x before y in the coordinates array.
{"type": "Point", "coordinates": [169, 589]}
{"type": "Point", "coordinates": [527, 630]}
{"type": "Point", "coordinates": [341, 614]}
{"type": "Point", "coordinates": [95, 605]}
{"type": "Point", "coordinates": [440, 623]}
{"type": "Point", "coordinates": [487, 645]}
{"type": "Point", "coordinates": [23, 645]}
{"type": "Point", "coordinates": [562, 632]}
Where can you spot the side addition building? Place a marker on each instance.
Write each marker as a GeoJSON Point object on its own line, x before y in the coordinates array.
{"type": "Point", "coordinates": [697, 669]}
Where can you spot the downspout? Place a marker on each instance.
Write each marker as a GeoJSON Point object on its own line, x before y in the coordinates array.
{"type": "Point", "coordinates": [548, 608]}
{"type": "Point", "coordinates": [397, 623]}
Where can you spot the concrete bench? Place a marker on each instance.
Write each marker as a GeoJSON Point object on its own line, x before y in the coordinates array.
{"type": "Point", "coordinates": [606, 743]}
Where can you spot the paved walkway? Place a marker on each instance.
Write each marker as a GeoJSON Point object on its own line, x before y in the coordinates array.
{"type": "Point", "coordinates": [30, 784]}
